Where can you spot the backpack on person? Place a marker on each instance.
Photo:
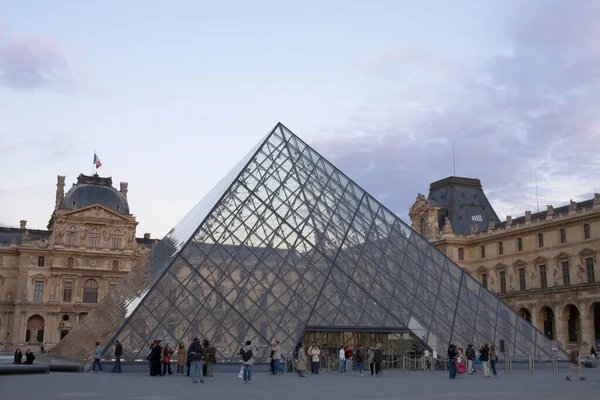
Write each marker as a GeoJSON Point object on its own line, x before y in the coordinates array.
{"type": "Point", "coordinates": [247, 355]}
{"type": "Point", "coordinates": [359, 356]}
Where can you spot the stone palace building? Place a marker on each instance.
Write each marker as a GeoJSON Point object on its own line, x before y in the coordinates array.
{"type": "Point", "coordinates": [51, 279]}
{"type": "Point", "coordinates": [544, 264]}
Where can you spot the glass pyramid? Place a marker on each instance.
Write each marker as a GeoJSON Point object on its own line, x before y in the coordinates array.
{"type": "Point", "coordinates": [286, 243]}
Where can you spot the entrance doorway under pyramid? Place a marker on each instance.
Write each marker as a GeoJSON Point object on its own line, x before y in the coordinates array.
{"type": "Point", "coordinates": [285, 246]}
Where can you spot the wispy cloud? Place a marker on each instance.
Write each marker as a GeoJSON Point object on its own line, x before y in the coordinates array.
{"type": "Point", "coordinates": [31, 62]}
{"type": "Point", "coordinates": [530, 107]}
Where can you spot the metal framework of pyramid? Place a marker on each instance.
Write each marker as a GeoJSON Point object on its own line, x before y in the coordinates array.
{"type": "Point", "coordinates": [286, 242]}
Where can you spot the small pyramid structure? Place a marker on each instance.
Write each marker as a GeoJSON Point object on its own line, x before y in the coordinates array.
{"type": "Point", "coordinates": [285, 244]}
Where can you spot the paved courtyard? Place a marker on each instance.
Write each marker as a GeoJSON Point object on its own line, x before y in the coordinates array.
{"type": "Point", "coordinates": [394, 385]}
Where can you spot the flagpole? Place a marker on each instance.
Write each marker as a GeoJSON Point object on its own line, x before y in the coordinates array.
{"type": "Point", "coordinates": [94, 163]}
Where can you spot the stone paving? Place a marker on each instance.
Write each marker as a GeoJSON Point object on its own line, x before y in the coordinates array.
{"type": "Point", "coordinates": [392, 385]}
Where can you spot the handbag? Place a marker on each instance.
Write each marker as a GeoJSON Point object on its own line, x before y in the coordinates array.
{"type": "Point", "coordinates": [166, 359]}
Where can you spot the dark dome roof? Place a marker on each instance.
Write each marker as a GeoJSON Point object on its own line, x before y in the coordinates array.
{"type": "Point", "coordinates": [91, 190]}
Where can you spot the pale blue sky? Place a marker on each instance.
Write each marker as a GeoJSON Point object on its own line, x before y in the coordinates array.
{"type": "Point", "coordinates": [172, 94]}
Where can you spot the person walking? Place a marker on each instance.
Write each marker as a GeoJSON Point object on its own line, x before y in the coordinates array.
{"type": "Point", "coordinates": [118, 354]}
{"type": "Point", "coordinates": [247, 361]}
{"type": "Point", "coordinates": [301, 363]}
{"type": "Point", "coordinates": [181, 358]}
{"type": "Point", "coordinates": [195, 355]}
{"type": "Point", "coordinates": [97, 356]}
{"type": "Point", "coordinates": [484, 356]}
{"type": "Point", "coordinates": [575, 365]}
{"type": "Point", "coordinates": [370, 360]}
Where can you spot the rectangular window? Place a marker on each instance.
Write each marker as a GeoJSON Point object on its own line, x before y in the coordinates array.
{"type": "Point", "coordinates": [461, 254]}
{"type": "Point", "coordinates": [566, 273]}
{"type": "Point", "coordinates": [563, 236]}
{"type": "Point", "coordinates": [68, 292]}
{"type": "Point", "coordinates": [520, 244]}
{"type": "Point", "coordinates": [589, 267]}
{"type": "Point", "coordinates": [543, 277]}
{"type": "Point", "coordinates": [540, 240]}
{"type": "Point", "coordinates": [502, 281]}
{"type": "Point", "coordinates": [500, 248]}
{"type": "Point", "coordinates": [112, 287]}
{"type": "Point", "coordinates": [484, 280]}
{"type": "Point", "coordinates": [522, 277]}
{"type": "Point", "coordinates": [38, 291]}
{"type": "Point", "coordinates": [482, 251]}
{"type": "Point", "coordinates": [586, 231]}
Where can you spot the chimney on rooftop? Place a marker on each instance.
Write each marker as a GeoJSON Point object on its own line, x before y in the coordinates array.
{"type": "Point", "coordinates": [124, 188]}
{"type": "Point", "coordinates": [146, 236]}
{"type": "Point", "coordinates": [23, 224]}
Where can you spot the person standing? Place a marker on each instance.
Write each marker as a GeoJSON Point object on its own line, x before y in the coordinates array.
{"type": "Point", "coordinates": [155, 355]}
{"type": "Point", "coordinates": [452, 355]}
{"type": "Point", "coordinates": [342, 360]}
{"type": "Point", "coordinates": [276, 357]}
{"type": "Point", "coordinates": [359, 356]}
{"type": "Point", "coordinates": [470, 359]}
{"type": "Point", "coordinates": [370, 360]}
{"type": "Point", "coordinates": [301, 363]}
{"type": "Point", "coordinates": [118, 354]}
{"type": "Point", "coordinates": [195, 355]}
{"type": "Point", "coordinates": [349, 356]}
{"type": "Point", "coordinates": [166, 360]}
{"type": "Point", "coordinates": [315, 356]}
{"type": "Point", "coordinates": [210, 357]}
{"type": "Point", "coordinates": [377, 358]}
{"type": "Point", "coordinates": [181, 358]}
{"type": "Point", "coordinates": [97, 356]}
{"type": "Point", "coordinates": [493, 360]}
{"type": "Point", "coordinates": [484, 356]}
{"type": "Point", "coordinates": [247, 361]}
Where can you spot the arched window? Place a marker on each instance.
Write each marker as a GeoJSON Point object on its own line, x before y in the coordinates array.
{"type": "Point", "coordinates": [115, 265]}
{"type": "Point", "coordinates": [461, 254]}
{"type": "Point", "coordinates": [423, 227]}
{"type": "Point", "coordinates": [90, 291]}
{"type": "Point", "coordinates": [72, 236]}
{"type": "Point", "coordinates": [41, 261]}
{"type": "Point", "coordinates": [115, 239]}
{"type": "Point", "coordinates": [94, 237]}
{"type": "Point", "coordinates": [70, 262]}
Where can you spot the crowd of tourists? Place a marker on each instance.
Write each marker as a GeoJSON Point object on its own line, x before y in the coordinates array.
{"type": "Point", "coordinates": [464, 362]}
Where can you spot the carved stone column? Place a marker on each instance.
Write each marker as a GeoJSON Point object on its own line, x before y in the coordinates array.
{"type": "Point", "coordinates": [561, 325]}
{"type": "Point", "coordinates": [587, 333]}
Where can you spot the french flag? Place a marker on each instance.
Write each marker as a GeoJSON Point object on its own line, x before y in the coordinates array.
{"type": "Point", "coordinates": [97, 161]}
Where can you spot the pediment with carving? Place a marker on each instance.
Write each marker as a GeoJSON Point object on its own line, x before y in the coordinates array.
{"type": "Point", "coordinates": [587, 252]}
{"type": "Point", "coordinates": [38, 277]}
{"type": "Point", "coordinates": [539, 260]}
{"type": "Point", "coordinates": [97, 212]}
{"type": "Point", "coordinates": [500, 266]}
{"type": "Point", "coordinates": [562, 255]}
{"type": "Point", "coordinates": [520, 263]}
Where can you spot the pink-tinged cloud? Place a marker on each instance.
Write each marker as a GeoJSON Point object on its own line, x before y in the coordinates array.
{"type": "Point", "coordinates": [29, 62]}
{"type": "Point", "coordinates": [531, 109]}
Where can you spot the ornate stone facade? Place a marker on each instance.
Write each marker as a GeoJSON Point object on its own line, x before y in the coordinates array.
{"type": "Point", "coordinates": [51, 279]}
{"type": "Point", "coordinates": [544, 265]}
